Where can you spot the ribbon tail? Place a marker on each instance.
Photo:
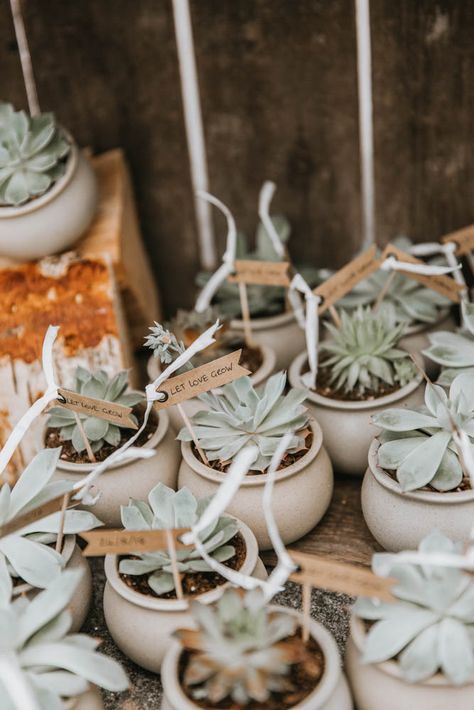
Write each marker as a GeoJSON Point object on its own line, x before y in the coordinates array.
{"type": "Point", "coordinates": [265, 198]}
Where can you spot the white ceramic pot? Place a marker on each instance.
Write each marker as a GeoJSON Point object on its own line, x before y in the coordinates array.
{"type": "Point", "coordinates": [281, 333]}
{"type": "Point", "coordinates": [131, 478]}
{"type": "Point", "coordinates": [399, 521]}
{"type": "Point", "coordinates": [301, 494]}
{"type": "Point", "coordinates": [53, 222]}
{"type": "Point", "coordinates": [142, 625]}
{"type": "Point", "coordinates": [331, 693]}
{"type": "Point", "coordinates": [191, 406]}
{"type": "Point", "coordinates": [417, 339]}
{"type": "Point", "coordinates": [347, 427]}
{"type": "Point", "coordinates": [381, 686]}
{"type": "Point", "coordinates": [91, 699]}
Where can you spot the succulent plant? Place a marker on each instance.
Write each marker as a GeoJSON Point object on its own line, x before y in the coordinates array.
{"type": "Point", "coordinates": [164, 344]}
{"type": "Point", "coordinates": [430, 627]}
{"type": "Point", "coordinates": [242, 415]}
{"type": "Point", "coordinates": [454, 351]}
{"type": "Point", "coordinates": [418, 443]}
{"type": "Point", "coordinates": [32, 154]}
{"type": "Point", "coordinates": [27, 552]}
{"type": "Point", "coordinates": [37, 648]}
{"type": "Point", "coordinates": [240, 650]}
{"type": "Point", "coordinates": [169, 509]}
{"type": "Point", "coordinates": [98, 431]}
{"type": "Point", "coordinates": [362, 353]}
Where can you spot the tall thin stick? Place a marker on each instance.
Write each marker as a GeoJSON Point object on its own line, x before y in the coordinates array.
{"type": "Point", "coordinates": [25, 58]}
{"type": "Point", "coordinates": [306, 592]}
{"type": "Point", "coordinates": [383, 291]}
{"type": "Point", "coordinates": [244, 307]}
{"type": "Point", "coordinates": [189, 427]}
{"type": "Point", "coordinates": [62, 519]}
{"type": "Point", "coordinates": [86, 441]}
{"type": "Point", "coordinates": [335, 316]}
{"type": "Point", "coordinates": [174, 564]}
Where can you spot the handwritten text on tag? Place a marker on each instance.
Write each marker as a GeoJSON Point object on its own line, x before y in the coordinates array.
{"type": "Point", "coordinates": [346, 278]}
{"type": "Point", "coordinates": [41, 511]}
{"type": "Point", "coordinates": [121, 542]}
{"type": "Point", "coordinates": [463, 238]}
{"type": "Point", "coordinates": [340, 577]}
{"type": "Point", "coordinates": [266, 273]}
{"type": "Point", "coordinates": [443, 284]}
{"type": "Point", "coordinates": [100, 408]}
{"type": "Point", "coordinates": [202, 379]}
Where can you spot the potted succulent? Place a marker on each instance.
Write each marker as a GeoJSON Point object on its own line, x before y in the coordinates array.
{"type": "Point", "coordinates": [185, 328]}
{"type": "Point", "coordinates": [141, 605]}
{"type": "Point", "coordinates": [273, 322]}
{"type": "Point", "coordinates": [243, 415]}
{"type": "Point", "coordinates": [56, 668]}
{"type": "Point", "coordinates": [417, 652]}
{"type": "Point", "coordinates": [133, 477]}
{"type": "Point", "coordinates": [245, 654]}
{"type": "Point", "coordinates": [361, 371]}
{"type": "Point", "coordinates": [48, 191]}
{"type": "Point", "coordinates": [29, 553]}
{"type": "Point", "coordinates": [453, 351]}
{"type": "Point", "coordinates": [415, 480]}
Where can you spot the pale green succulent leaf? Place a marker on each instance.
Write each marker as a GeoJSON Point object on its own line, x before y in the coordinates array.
{"type": "Point", "coordinates": [400, 419]}
{"type": "Point", "coordinates": [62, 683]}
{"type": "Point", "coordinates": [391, 454]}
{"type": "Point", "coordinates": [419, 660]}
{"type": "Point", "coordinates": [421, 465]}
{"type": "Point", "coordinates": [161, 582]}
{"type": "Point", "coordinates": [455, 651]}
{"type": "Point", "coordinates": [95, 429]}
{"type": "Point", "coordinates": [33, 479]}
{"type": "Point", "coordinates": [449, 474]}
{"type": "Point", "coordinates": [35, 563]}
{"type": "Point", "coordinates": [388, 637]}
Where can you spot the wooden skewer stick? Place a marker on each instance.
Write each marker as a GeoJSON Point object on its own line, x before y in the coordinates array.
{"type": "Point", "coordinates": [174, 564]}
{"type": "Point", "coordinates": [189, 427]}
{"type": "Point", "coordinates": [306, 592]}
{"type": "Point", "coordinates": [90, 453]}
{"type": "Point", "coordinates": [244, 307]}
{"type": "Point", "coordinates": [60, 537]}
{"type": "Point", "coordinates": [335, 316]}
{"type": "Point", "coordinates": [383, 291]}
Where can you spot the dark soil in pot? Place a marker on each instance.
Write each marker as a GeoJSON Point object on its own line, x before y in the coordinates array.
{"type": "Point", "coordinates": [327, 389]}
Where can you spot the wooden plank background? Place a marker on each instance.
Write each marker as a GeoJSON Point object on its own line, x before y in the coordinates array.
{"type": "Point", "coordinates": [278, 83]}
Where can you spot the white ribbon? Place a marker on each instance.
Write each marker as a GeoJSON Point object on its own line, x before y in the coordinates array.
{"type": "Point", "coordinates": [264, 200]}
{"type": "Point", "coordinates": [448, 250]}
{"type": "Point", "coordinates": [51, 393]}
{"type": "Point", "coordinates": [311, 325]}
{"type": "Point", "coordinates": [394, 264]}
{"type": "Point", "coordinates": [383, 562]}
{"type": "Point", "coordinates": [228, 259]}
{"type": "Point", "coordinates": [83, 486]}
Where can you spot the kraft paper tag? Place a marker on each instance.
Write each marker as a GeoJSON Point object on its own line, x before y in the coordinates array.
{"type": "Point", "coordinates": [122, 542]}
{"type": "Point", "coordinates": [201, 379]}
{"type": "Point", "coordinates": [346, 278]}
{"type": "Point", "coordinates": [463, 238]}
{"type": "Point", "coordinates": [42, 511]}
{"type": "Point", "coordinates": [100, 408]}
{"type": "Point", "coordinates": [264, 273]}
{"type": "Point", "coordinates": [340, 577]}
{"type": "Point", "coordinates": [443, 284]}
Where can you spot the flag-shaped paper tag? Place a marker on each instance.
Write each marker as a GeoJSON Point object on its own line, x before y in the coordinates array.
{"type": "Point", "coordinates": [346, 278]}
{"type": "Point", "coordinates": [41, 511]}
{"type": "Point", "coordinates": [340, 577]}
{"type": "Point", "coordinates": [463, 238]}
{"type": "Point", "coordinates": [121, 542]}
{"type": "Point", "coordinates": [264, 273]}
{"type": "Point", "coordinates": [201, 379]}
{"type": "Point", "coordinates": [100, 408]}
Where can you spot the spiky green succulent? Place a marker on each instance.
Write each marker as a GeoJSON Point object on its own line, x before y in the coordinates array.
{"type": "Point", "coordinates": [243, 415]}
{"type": "Point", "coordinates": [32, 154]}
{"type": "Point", "coordinates": [169, 509]}
{"type": "Point", "coordinates": [240, 650]}
{"type": "Point", "coordinates": [418, 444]}
{"type": "Point", "coordinates": [27, 552]}
{"type": "Point", "coordinates": [163, 344]}
{"type": "Point", "coordinates": [454, 351]}
{"type": "Point", "coordinates": [98, 431]}
{"type": "Point", "coordinates": [430, 627]}
{"type": "Point", "coordinates": [38, 652]}
{"type": "Point", "coordinates": [362, 353]}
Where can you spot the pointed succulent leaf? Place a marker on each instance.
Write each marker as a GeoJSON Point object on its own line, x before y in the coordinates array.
{"type": "Point", "coordinates": [35, 476]}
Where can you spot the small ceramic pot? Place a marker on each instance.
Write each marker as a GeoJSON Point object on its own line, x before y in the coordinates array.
{"type": "Point", "coordinates": [141, 625]}
{"type": "Point", "coordinates": [331, 693]}
{"type": "Point", "coordinates": [131, 478]}
{"type": "Point", "coordinates": [399, 521]}
{"type": "Point", "coordinates": [347, 427]}
{"type": "Point", "coordinates": [191, 406]}
{"type": "Point", "coordinates": [417, 338]}
{"type": "Point", "coordinates": [54, 221]}
{"type": "Point", "coordinates": [281, 333]}
{"type": "Point", "coordinates": [81, 599]}
{"type": "Point", "coordinates": [301, 494]}
{"type": "Point", "coordinates": [381, 685]}
{"type": "Point", "coordinates": [91, 699]}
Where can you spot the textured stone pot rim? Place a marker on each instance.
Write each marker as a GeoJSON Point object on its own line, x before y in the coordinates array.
{"type": "Point", "coordinates": [264, 371]}
{"type": "Point", "coordinates": [51, 194]}
{"type": "Point", "coordinates": [295, 380]}
{"type": "Point", "coordinates": [392, 668]}
{"type": "Point", "coordinates": [443, 314]}
{"type": "Point", "coordinates": [258, 479]}
{"type": "Point", "coordinates": [265, 323]}
{"type": "Point", "coordinates": [152, 443]}
{"type": "Point", "coordinates": [320, 695]}
{"type": "Point", "coordinates": [421, 496]}
{"type": "Point", "coordinates": [164, 605]}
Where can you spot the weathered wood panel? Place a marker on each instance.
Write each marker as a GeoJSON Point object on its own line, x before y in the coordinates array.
{"type": "Point", "coordinates": [423, 67]}
{"type": "Point", "coordinates": [279, 98]}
